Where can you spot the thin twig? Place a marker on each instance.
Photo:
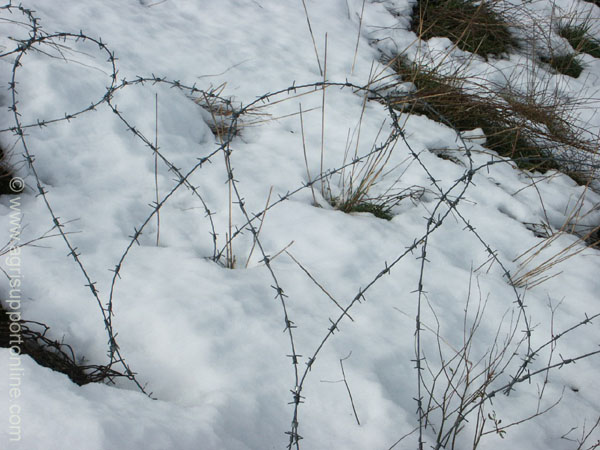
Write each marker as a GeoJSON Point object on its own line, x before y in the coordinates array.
{"type": "Point", "coordinates": [319, 285]}
{"type": "Point", "coordinates": [323, 117]}
{"type": "Point", "coordinates": [312, 37]}
{"type": "Point", "coordinates": [348, 387]}
{"type": "Point", "coordinates": [358, 37]}
{"type": "Point", "coordinates": [263, 214]}
{"type": "Point", "coordinates": [312, 189]}
{"type": "Point", "coordinates": [156, 169]}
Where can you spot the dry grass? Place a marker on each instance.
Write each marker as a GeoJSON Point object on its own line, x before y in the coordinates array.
{"type": "Point", "coordinates": [220, 112]}
{"type": "Point", "coordinates": [355, 191]}
{"type": "Point", "coordinates": [536, 128]}
{"type": "Point", "coordinates": [473, 26]}
{"type": "Point", "coordinates": [356, 183]}
{"type": "Point", "coordinates": [536, 262]}
{"type": "Point", "coordinates": [532, 128]}
{"type": "Point", "coordinates": [55, 355]}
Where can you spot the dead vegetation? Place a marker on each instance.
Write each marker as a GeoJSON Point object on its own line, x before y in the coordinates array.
{"type": "Point", "coordinates": [535, 129]}
{"type": "Point", "coordinates": [475, 27]}
{"type": "Point", "coordinates": [23, 338]}
{"type": "Point", "coordinates": [6, 174]}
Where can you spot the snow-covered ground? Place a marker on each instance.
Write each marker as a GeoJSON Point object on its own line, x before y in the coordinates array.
{"type": "Point", "coordinates": [215, 346]}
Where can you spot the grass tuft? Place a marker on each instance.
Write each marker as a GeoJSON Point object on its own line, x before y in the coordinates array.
{"type": "Point", "coordinates": [580, 39]}
{"type": "Point", "coordinates": [533, 129]}
{"type": "Point", "coordinates": [567, 64]}
{"type": "Point", "coordinates": [378, 210]}
{"type": "Point", "coordinates": [220, 113]}
{"type": "Point", "coordinates": [439, 95]}
{"type": "Point", "coordinates": [473, 26]}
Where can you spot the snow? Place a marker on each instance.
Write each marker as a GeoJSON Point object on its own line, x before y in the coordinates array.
{"type": "Point", "coordinates": [210, 342]}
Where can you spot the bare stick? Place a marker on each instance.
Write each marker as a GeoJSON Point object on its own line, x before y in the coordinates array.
{"type": "Point", "coordinates": [323, 118]}
{"type": "Point", "coordinates": [230, 263]}
{"type": "Point", "coordinates": [360, 121]}
{"type": "Point", "coordinates": [271, 119]}
{"type": "Point", "coordinates": [500, 430]}
{"type": "Point", "coordinates": [156, 169]}
{"type": "Point", "coordinates": [585, 438]}
{"type": "Point", "coordinates": [358, 37]}
{"type": "Point", "coordinates": [403, 437]}
{"type": "Point", "coordinates": [262, 221]}
{"type": "Point", "coordinates": [348, 387]}
{"type": "Point", "coordinates": [230, 257]}
{"type": "Point", "coordinates": [312, 189]}
{"type": "Point", "coordinates": [156, 3]}
{"type": "Point", "coordinates": [271, 258]}
{"type": "Point", "coordinates": [320, 286]}
{"type": "Point", "coordinates": [312, 37]}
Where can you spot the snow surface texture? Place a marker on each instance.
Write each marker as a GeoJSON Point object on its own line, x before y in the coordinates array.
{"type": "Point", "coordinates": [206, 341]}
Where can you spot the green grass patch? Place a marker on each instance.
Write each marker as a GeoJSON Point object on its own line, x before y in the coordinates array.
{"type": "Point", "coordinates": [567, 64]}
{"type": "Point", "coordinates": [580, 39]}
{"type": "Point", "coordinates": [473, 26]}
{"type": "Point", "coordinates": [378, 210]}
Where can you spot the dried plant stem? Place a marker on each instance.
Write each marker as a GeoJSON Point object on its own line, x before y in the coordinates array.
{"type": "Point", "coordinates": [312, 36]}
{"type": "Point", "coordinates": [347, 386]}
{"type": "Point", "coordinates": [229, 258]}
{"type": "Point", "coordinates": [310, 182]}
{"type": "Point", "coordinates": [320, 286]}
{"type": "Point", "coordinates": [262, 221]}
{"type": "Point", "coordinates": [358, 37]}
{"type": "Point", "coordinates": [323, 117]}
{"type": "Point", "coordinates": [157, 199]}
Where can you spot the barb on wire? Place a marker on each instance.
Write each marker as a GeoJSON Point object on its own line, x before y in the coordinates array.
{"type": "Point", "coordinates": [448, 203]}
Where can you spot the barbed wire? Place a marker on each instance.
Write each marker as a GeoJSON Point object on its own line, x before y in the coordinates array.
{"type": "Point", "coordinates": [447, 203]}
{"type": "Point", "coordinates": [37, 37]}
